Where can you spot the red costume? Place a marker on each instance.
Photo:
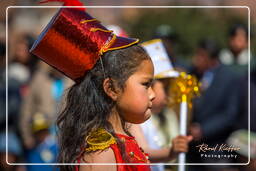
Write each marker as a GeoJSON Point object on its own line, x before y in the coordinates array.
{"type": "Point", "coordinates": [100, 140]}
{"type": "Point", "coordinates": [135, 153]}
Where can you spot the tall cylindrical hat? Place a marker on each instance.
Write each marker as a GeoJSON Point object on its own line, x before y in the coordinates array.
{"type": "Point", "coordinates": [73, 41]}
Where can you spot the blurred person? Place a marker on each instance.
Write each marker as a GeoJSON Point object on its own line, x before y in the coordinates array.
{"type": "Point", "coordinates": [165, 119]}
{"type": "Point", "coordinates": [45, 149]}
{"type": "Point", "coordinates": [14, 144]}
{"type": "Point", "coordinates": [215, 111]}
{"type": "Point", "coordinates": [44, 95]}
{"type": "Point", "coordinates": [240, 137]}
{"type": "Point", "coordinates": [18, 67]}
{"type": "Point", "coordinates": [2, 76]}
{"type": "Point", "coordinates": [22, 66]}
{"type": "Point", "coordinates": [153, 139]}
{"type": "Point", "coordinates": [159, 137]}
{"type": "Point", "coordinates": [237, 53]}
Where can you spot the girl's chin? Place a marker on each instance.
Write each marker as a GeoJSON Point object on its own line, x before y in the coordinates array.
{"type": "Point", "coordinates": [147, 115]}
{"type": "Point", "coordinates": [140, 120]}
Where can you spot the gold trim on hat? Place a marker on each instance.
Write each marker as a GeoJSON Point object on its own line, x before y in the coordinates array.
{"type": "Point", "coordinates": [87, 21]}
{"type": "Point", "coordinates": [107, 45]}
{"type": "Point", "coordinates": [120, 47]}
{"type": "Point", "coordinates": [100, 29]}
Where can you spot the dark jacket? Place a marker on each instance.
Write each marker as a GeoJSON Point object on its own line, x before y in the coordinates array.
{"type": "Point", "coordinates": [216, 109]}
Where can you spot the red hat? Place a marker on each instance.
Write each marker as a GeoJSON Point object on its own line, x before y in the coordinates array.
{"type": "Point", "coordinates": [73, 41]}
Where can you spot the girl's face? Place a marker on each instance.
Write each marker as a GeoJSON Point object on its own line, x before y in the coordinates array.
{"type": "Point", "coordinates": [135, 102]}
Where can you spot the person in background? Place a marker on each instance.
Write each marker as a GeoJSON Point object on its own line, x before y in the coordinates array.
{"type": "Point", "coordinates": [215, 111]}
{"type": "Point", "coordinates": [14, 98]}
{"type": "Point", "coordinates": [44, 95]}
{"type": "Point", "coordinates": [19, 66]}
{"type": "Point", "coordinates": [45, 149]}
{"type": "Point", "coordinates": [240, 137]}
{"type": "Point", "coordinates": [237, 53]}
{"type": "Point", "coordinates": [158, 136]}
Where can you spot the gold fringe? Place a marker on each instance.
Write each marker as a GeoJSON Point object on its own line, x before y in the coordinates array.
{"type": "Point", "coordinates": [99, 140]}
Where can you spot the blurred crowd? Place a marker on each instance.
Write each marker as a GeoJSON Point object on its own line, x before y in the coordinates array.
{"type": "Point", "coordinates": [219, 115]}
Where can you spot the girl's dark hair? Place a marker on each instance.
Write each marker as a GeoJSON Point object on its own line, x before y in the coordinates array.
{"type": "Point", "coordinates": [87, 105]}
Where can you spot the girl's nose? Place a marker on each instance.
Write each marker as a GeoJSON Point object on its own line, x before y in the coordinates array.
{"type": "Point", "coordinates": [152, 94]}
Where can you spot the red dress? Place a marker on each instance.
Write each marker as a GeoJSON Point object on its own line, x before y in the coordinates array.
{"type": "Point", "coordinates": [134, 153]}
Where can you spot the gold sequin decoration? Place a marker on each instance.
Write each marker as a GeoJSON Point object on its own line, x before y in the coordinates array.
{"type": "Point", "coordinates": [183, 89]}
{"type": "Point", "coordinates": [99, 140]}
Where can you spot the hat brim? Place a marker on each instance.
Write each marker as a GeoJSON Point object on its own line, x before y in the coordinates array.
{"type": "Point", "coordinates": [122, 42]}
{"type": "Point", "coordinates": [167, 74]}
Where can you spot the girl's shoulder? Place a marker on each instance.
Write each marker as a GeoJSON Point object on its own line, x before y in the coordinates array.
{"type": "Point", "coordinates": [100, 157]}
{"type": "Point", "coordinates": [98, 151]}
{"type": "Point", "coordinates": [99, 139]}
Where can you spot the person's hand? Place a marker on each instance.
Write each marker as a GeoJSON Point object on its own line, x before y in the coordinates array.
{"type": "Point", "coordinates": [180, 145]}
{"type": "Point", "coordinates": [196, 131]}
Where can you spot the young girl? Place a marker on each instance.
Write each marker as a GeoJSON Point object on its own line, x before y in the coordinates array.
{"type": "Point", "coordinates": [113, 78]}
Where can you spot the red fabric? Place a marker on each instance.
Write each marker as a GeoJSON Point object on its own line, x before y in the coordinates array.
{"type": "Point", "coordinates": [130, 146]}
{"type": "Point", "coordinates": [66, 3]}
{"type": "Point", "coordinates": [71, 47]}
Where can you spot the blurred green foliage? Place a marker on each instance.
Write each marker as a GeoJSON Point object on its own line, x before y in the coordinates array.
{"type": "Point", "coordinates": [191, 25]}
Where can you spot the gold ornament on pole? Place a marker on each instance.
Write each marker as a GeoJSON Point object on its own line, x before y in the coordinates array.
{"type": "Point", "coordinates": [184, 88]}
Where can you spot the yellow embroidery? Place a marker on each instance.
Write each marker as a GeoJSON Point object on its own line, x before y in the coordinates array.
{"type": "Point", "coordinates": [124, 46]}
{"type": "Point", "coordinates": [107, 45]}
{"type": "Point", "coordinates": [99, 140]}
{"type": "Point", "coordinates": [99, 29]}
{"type": "Point", "coordinates": [86, 21]}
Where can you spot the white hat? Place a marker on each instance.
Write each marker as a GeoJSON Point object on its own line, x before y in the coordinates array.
{"type": "Point", "coordinates": [162, 64]}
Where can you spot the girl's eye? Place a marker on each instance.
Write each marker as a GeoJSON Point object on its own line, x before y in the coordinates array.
{"type": "Point", "coordinates": [147, 84]}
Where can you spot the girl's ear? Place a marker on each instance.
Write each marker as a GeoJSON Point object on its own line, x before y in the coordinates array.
{"type": "Point", "coordinates": [109, 88]}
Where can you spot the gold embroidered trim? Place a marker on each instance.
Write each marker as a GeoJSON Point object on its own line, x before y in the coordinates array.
{"type": "Point", "coordinates": [99, 29]}
{"type": "Point", "coordinates": [99, 140]}
{"type": "Point", "coordinates": [106, 48]}
{"type": "Point", "coordinates": [107, 45]}
{"type": "Point", "coordinates": [120, 47]}
{"type": "Point", "coordinates": [87, 21]}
